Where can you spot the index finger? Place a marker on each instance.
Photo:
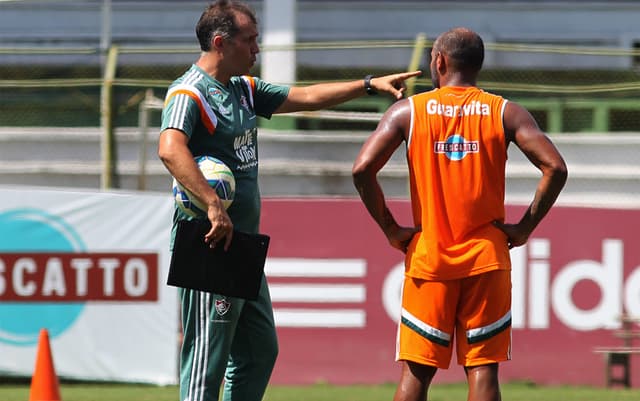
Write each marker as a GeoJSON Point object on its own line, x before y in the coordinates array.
{"type": "Point", "coordinates": [410, 74]}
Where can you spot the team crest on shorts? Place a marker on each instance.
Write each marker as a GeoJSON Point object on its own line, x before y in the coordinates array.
{"type": "Point", "coordinates": [222, 306]}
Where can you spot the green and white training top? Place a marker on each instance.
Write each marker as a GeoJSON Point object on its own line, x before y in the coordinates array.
{"type": "Point", "coordinates": [220, 121]}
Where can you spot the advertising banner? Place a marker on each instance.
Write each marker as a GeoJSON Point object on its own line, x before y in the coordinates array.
{"type": "Point", "coordinates": [335, 284]}
{"type": "Point", "coordinates": [90, 268]}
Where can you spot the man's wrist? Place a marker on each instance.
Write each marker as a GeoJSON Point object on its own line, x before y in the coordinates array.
{"type": "Point", "coordinates": [367, 85]}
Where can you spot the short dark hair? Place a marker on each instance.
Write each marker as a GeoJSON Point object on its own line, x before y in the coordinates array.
{"type": "Point", "coordinates": [463, 47]}
{"type": "Point", "coordinates": [219, 18]}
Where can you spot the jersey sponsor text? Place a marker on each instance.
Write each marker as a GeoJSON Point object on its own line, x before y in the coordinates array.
{"type": "Point", "coordinates": [474, 108]}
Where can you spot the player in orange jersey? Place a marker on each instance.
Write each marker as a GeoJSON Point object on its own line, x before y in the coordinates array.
{"type": "Point", "coordinates": [457, 287]}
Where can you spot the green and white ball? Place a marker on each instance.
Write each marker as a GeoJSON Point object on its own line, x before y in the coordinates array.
{"type": "Point", "coordinates": [219, 177]}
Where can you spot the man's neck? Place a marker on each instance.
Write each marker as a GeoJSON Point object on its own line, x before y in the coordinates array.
{"type": "Point", "coordinates": [210, 64]}
{"type": "Point", "coordinates": [457, 79]}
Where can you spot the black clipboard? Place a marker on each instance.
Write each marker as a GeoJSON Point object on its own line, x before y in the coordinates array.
{"type": "Point", "coordinates": [236, 272]}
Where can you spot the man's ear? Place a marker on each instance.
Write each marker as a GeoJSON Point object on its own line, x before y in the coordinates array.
{"type": "Point", "coordinates": [217, 42]}
{"type": "Point", "coordinates": [441, 63]}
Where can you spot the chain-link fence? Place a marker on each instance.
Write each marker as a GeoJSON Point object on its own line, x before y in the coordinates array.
{"type": "Point", "coordinates": [66, 87]}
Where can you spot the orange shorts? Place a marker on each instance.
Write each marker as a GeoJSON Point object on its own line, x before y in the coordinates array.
{"type": "Point", "coordinates": [475, 310]}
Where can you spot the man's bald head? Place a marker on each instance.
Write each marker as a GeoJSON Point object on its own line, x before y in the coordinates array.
{"type": "Point", "coordinates": [463, 47]}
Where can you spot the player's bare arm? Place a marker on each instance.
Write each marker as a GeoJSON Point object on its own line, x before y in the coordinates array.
{"type": "Point", "coordinates": [522, 129]}
{"type": "Point", "coordinates": [324, 95]}
{"type": "Point", "coordinates": [176, 156]}
{"type": "Point", "coordinates": [376, 151]}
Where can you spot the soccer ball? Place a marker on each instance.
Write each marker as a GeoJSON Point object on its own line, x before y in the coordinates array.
{"type": "Point", "coordinates": [219, 177]}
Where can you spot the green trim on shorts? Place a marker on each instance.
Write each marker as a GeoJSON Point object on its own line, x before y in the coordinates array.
{"type": "Point", "coordinates": [425, 334]}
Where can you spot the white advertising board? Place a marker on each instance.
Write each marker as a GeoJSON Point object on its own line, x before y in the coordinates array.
{"type": "Point", "coordinates": [90, 267]}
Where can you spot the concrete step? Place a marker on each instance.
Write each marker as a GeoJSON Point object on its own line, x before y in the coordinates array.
{"type": "Point", "coordinates": [85, 143]}
{"type": "Point", "coordinates": [281, 177]}
{"type": "Point", "coordinates": [72, 144]}
{"type": "Point", "coordinates": [601, 167]}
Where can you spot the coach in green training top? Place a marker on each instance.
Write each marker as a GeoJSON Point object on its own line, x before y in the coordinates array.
{"type": "Point", "coordinates": [211, 110]}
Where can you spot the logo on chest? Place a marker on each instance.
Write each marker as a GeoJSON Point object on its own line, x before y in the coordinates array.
{"type": "Point", "coordinates": [216, 93]}
{"type": "Point", "coordinates": [244, 103]}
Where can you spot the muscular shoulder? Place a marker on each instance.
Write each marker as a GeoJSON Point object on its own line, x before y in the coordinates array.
{"type": "Point", "coordinates": [397, 117]}
{"type": "Point", "coordinates": [398, 108]}
{"type": "Point", "coordinates": [516, 119]}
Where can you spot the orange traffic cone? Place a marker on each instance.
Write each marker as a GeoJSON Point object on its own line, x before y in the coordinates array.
{"type": "Point", "coordinates": [44, 383]}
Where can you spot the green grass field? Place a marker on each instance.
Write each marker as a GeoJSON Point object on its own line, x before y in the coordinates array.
{"type": "Point", "coordinates": [321, 392]}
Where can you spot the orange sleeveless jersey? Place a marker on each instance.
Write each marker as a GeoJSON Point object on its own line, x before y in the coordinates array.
{"type": "Point", "coordinates": [457, 154]}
